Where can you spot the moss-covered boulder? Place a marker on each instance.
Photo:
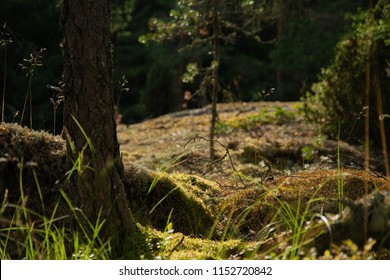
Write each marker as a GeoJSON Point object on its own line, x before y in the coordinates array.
{"type": "Point", "coordinates": [25, 152]}
{"type": "Point", "coordinates": [159, 198]}
{"type": "Point", "coordinates": [307, 193]}
{"type": "Point", "coordinates": [32, 160]}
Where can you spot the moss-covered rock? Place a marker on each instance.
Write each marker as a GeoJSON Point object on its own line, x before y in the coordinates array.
{"type": "Point", "coordinates": [24, 152]}
{"type": "Point", "coordinates": [152, 195]}
{"type": "Point", "coordinates": [252, 209]}
{"type": "Point", "coordinates": [158, 193]}
{"type": "Point", "coordinates": [176, 246]}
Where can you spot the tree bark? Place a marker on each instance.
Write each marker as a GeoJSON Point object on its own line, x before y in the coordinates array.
{"type": "Point", "coordinates": [96, 188]}
{"type": "Point", "coordinates": [278, 72]}
{"type": "Point", "coordinates": [215, 77]}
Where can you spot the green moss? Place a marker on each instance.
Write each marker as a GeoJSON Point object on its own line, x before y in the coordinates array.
{"type": "Point", "coordinates": [248, 122]}
{"type": "Point", "coordinates": [30, 151]}
{"type": "Point", "coordinates": [155, 194]}
{"type": "Point", "coordinates": [176, 246]}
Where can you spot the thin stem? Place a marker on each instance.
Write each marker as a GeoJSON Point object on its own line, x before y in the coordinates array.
{"type": "Point", "coordinates": [54, 120]}
{"type": "Point", "coordinates": [379, 106]}
{"type": "Point", "coordinates": [30, 108]}
{"type": "Point", "coordinates": [25, 100]}
{"type": "Point", "coordinates": [5, 81]}
{"type": "Point", "coordinates": [367, 117]}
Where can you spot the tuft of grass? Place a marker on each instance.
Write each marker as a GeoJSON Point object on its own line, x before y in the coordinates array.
{"type": "Point", "coordinates": [44, 237]}
{"type": "Point", "coordinates": [295, 220]}
{"type": "Point", "coordinates": [123, 88]}
{"type": "Point", "coordinates": [32, 235]}
{"type": "Point", "coordinates": [93, 247]}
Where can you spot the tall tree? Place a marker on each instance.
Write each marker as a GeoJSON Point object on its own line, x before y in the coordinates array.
{"type": "Point", "coordinates": [307, 32]}
{"type": "Point", "coordinates": [206, 26]}
{"type": "Point", "coordinates": [96, 186]}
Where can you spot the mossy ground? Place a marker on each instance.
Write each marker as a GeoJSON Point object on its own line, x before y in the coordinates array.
{"type": "Point", "coordinates": [188, 207]}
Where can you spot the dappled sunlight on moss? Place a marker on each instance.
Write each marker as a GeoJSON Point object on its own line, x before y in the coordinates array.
{"type": "Point", "coordinates": [271, 192]}
{"type": "Point", "coordinates": [157, 193]}
{"type": "Point", "coordinates": [176, 246]}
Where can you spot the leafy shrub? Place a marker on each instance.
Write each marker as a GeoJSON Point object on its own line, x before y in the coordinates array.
{"type": "Point", "coordinates": [339, 96]}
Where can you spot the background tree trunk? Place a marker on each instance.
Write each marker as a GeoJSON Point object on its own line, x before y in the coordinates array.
{"type": "Point", "coordinates": [88, 92]}
{"type": "Point", "coordinates": [214, 76]}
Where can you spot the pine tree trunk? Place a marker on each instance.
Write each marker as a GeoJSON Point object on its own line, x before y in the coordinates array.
{"type": "Point", "coordinates": [278, 72]}
{"type": "Point", "coordinates": [88, 70]}
{"type": "Point", "coordinates": [215, 78]}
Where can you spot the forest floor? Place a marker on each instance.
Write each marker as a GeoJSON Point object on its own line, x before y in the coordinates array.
{"type": "Point", "coordinates": [277, 188]}
{"type": "Point", "coordinates": [255, 139]}
{"type": "Point", "coordinates": [271, 166]}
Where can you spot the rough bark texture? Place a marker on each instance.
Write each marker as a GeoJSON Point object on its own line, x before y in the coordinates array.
{"type": "Point", "coordinates": [88, 68]}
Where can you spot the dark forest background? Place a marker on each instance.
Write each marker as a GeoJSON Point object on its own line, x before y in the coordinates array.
{"type": "Point", "coordinates": [298, 40]}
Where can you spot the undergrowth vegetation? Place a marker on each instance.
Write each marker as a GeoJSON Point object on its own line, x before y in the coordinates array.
{"type": "Point", "coordinates": [301, 197]}
{"type": "Point", "coordinates": [338, 98]}
{"type": "Point", "coordinates": [254, 121]}
{"type": "Point", "coordinates": [181, 216]}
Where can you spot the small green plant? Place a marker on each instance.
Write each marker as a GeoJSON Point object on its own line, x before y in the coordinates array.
{"type": "Point", "coordinates": [282, 115]}
{"type": "Point", "coordinates": [308, 152]}
{"type": "Point", "coordinates": [350, 251]}
{"type": "Point", "coordinates": [167, 237]}
{"type": "Point", "coordinates": [223, 128]}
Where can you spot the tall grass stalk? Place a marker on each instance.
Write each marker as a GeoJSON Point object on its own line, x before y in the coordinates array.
{"type": "Point", "coordinates": [31, 63]}
{"type": "Point", "coordinates": [164, 168]}
{"type": "Point", "coordinates": [162, 199]}
{"type": "Point", "coordinates": [123, 88]}
{"type": "Point", "coordinates": [4, 41]}
{"type": "Point", "coordinates": [55, 101]}
{"type": "Point", "coordinates": [379, 106]}
{"type": "Point", "coordinates": [340, 178]}
{"type": "Point", "coordinates": [216, 221]}
{"type": "Point", "coordinates": [78, 162]}
{"type": "Point", "coordinates": [370, 17]}
{"type": "Point", "coordinates": [89, 142]}
{"type": "Point", "coordinates": [4, 233]}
